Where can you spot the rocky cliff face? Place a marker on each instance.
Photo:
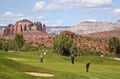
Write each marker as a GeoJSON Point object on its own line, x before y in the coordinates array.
{"type": "Point", "coordinates": [24, 26]}
{"type": "Point", "coordinates": [92, 27]}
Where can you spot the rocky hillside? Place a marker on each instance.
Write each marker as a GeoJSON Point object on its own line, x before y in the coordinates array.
{"type": "Point", "coordinates": [87, 43]}
{"type": "Point", "coordinates": [23, 26]}
{"type": "Point", "coordinates": [92, 27]}
{"type": "Point", "coordinates": [105, 34]}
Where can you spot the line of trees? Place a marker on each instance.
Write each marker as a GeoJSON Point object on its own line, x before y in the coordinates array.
{"type": "Point", "coordinates": [62, 45]}
{"type": "Point", "coordinates": [4, 45]}
{"type": "Point", "coordinates": [17, 44]}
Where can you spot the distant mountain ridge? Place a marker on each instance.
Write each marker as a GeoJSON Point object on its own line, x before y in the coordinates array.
{"type": "Point", "coordinates": [84, 27]}
{"type": "Point", "coordinates": [106, 34]}
{"type": "Point", "coordinates": [2, 27]}
{"type": "Point", "coordinates": [87, 27]}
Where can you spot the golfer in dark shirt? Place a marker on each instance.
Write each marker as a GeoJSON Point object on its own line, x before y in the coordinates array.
{"type": "Point", "coordinates": [87, 66]}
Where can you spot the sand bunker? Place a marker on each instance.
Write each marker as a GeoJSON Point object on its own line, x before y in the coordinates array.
{"type": "Point", "coordinates": [39, 74]}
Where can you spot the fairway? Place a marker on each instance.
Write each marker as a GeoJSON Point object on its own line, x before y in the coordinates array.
{"type": "Point", "coordinates": [13, 66]}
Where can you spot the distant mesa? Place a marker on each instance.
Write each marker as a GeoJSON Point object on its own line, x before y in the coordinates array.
{"type": "Point", "coordinates": [87, 27]}
{"type": "Point", "coordinates": [23, 26]}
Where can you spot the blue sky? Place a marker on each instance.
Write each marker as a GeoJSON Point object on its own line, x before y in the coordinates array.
{"type": "Point", "coordinates": [59, 12]}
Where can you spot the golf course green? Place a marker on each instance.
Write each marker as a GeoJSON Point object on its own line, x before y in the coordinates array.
{"type": "Point", "coordinates": [14, 65]}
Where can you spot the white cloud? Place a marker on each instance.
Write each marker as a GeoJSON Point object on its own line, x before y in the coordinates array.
{"type": "Point", "coordinates": [26, 17]}
{"type": "Point", "coordinates": [63, 1]}
{"type": "Point", "coordinates": [41, 17]}
{"type": "Point", "coordinates": [11, 14]}
{"type": "Point", "coordinates": [67, 1]}
{"type": "Point", "coordinates": [91, 20]}
{"type": "Point", "coordinates": [11, 17]}
{"type": "Point", "coordinates": [96, 3]}
{"type": "Point", "coordinates": [56, 5]}
{"type": "Point", "coordinates": [2, 18]}
{"type": "Point", "coordinates": [40, 5]}
{"type": "Point", "coordinates": [8, 14]}
{"type": "Point", "coordinates": [19, 14]}
{"type": "Point", "coordinates": [117, 11]}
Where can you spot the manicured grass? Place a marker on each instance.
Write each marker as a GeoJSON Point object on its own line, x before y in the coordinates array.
{"type": "Point", "coordinates": [13, 66]}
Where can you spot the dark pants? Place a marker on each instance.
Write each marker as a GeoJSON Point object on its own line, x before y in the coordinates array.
{"type": "Point", "coordinates": [72, 61]}
{"type": "Point", "coordinates": [41, 60]}
{"type": "Point", "coordinates": [87, 67]}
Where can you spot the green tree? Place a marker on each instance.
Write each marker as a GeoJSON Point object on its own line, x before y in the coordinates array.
{"type": "Point", "coordinates": [12, 45]}
{"type": "Point", "coordinates": [63, 45]}
{"type": "Point", "coordinates": [114, 45]}
{"type": "Point", "coordinates": [5, 45]}
{"type": "Point", "coordinates": [26, 46]}
{"type": "Point", "coordinates": [74, 49]}
{"type": "Point", "coordinates": [19, 41]}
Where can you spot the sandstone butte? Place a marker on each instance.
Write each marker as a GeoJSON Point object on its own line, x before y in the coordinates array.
{"type": "Point", "coordinates": [24, 26]}
{"type": "Point", "coordinates": [32, 32]}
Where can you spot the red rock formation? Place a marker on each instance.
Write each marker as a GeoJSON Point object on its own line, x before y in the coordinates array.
{"type": "Point", "coordinates": [8, 29]}
{"type": "Point", "coordinates": [24, 26]}
{"type": "Point", "coordinates": [85, 43]}
{"type": "Point", "coordinates": [44, 28]}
